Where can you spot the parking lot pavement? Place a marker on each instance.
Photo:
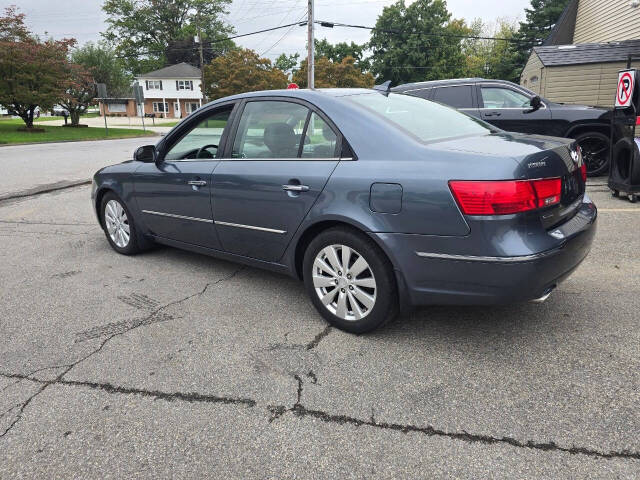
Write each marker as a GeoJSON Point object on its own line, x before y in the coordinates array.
{"type": "Point", "coordinates": [30, 168]}
{"type": "Point", "coordinates": [175, 364]}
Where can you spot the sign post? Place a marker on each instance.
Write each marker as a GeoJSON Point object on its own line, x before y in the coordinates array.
{"type": "Point", "coordinates": [102, 94]}
{"type": "Point", "coordinates": [139, 95]}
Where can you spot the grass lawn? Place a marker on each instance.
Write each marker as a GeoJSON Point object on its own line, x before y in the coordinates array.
{"type": "Point", "coordinates": [10, 134]}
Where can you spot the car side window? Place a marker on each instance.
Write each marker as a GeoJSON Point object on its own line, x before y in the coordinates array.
{"type": "Point", "coordinates": [270, 129]}
{"type": "Point", "coordinates": [201, 143]}
{"type": "Point", "coordinates": [458, 97]}
{"type": "Point", "coordinates": [496, 97]}
{"type": "Point", "coordinates": [320, 139]}
{"type": "Point", "coordinates": [422, 93]}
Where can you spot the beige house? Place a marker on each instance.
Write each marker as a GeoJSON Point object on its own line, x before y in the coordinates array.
{"type": "Point", "coordinates": [590, 43]}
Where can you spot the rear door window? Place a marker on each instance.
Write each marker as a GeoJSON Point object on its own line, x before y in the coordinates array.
{"type": "Point", "coordinates": [270, 129]}
{"type": "Point", "coordinates": [459, 96]}
{"type": "Point", "coordinates": [320, 140]}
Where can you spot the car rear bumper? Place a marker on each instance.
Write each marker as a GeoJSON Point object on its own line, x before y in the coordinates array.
{"type": "Point", "coordinates": [438, 278]}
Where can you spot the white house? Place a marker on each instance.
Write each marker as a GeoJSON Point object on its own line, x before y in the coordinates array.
{"type": "Point", "coordinates": [172, 92]}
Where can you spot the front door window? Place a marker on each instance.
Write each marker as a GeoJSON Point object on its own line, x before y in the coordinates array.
{"type": "Point", "coordinates": [496, 98]}
{"type": "Point", "coordinates": [202, 141]}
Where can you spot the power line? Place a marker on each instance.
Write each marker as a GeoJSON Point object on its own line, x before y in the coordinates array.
{"type": "Point", "coordinates": [282, 37]}
{"type": "Point", "coordinates": [220, 40]}
{"type": "Point", "coordinates": [429, 34]}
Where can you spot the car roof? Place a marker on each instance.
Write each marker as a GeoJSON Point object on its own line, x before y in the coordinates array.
{"type": "Point", "coordinates": [301, 93]}
{"type": "Point", "coordinates": [436, 83]}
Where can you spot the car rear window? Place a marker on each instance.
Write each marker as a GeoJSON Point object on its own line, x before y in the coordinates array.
{"type": "Point", "coordinates": [426, 120]}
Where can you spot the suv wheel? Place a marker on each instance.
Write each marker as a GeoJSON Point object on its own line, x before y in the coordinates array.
{"type": "Point", "coordinates": [595, 152]}
{"type": "Point", "coordinates": [350, 280]}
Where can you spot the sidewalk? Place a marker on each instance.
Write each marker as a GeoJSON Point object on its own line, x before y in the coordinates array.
{"type": "Point", "coordinates": [125, 122]}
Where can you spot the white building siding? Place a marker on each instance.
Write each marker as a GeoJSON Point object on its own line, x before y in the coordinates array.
{"type": "Point", "coordinates": [169, 89]}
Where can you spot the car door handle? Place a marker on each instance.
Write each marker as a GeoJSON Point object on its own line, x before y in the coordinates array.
{"type": "Point", "coordinates": [492, 114]}
{"type": "Point", "coordinates": [197, 183]}
{"type": "Point", "coordinates": [295, 188]}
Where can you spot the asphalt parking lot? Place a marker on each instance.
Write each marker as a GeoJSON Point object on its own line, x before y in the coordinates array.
{"type": "Point", "coordinates": [175, 364]}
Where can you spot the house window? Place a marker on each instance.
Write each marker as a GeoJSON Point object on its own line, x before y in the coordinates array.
{"type": "Point", "coordinates": [117, 107]}
{"type": "Point", "coordinates": [534, 80]}
{"type": "Point", "coordinates": [154, 84]}
{"type": "Point", "coordinates": [191, 107]}
{"type": "Point", "coordinates": [159, 107]}
{"type": "Point", "coordinates": [184, 85]}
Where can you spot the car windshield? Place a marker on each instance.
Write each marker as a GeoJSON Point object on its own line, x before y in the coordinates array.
{"type": "Point", "coordinates": [428, 121]}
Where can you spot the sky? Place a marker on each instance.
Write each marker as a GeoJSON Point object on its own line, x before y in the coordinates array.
{"type": "Point", "coordinates": [84, 19]}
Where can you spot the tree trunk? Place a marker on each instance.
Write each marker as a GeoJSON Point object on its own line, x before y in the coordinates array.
{"type": "Point", "coordinates": [27, 117]}
{"type": "Point", "coordinates": [75, 117]}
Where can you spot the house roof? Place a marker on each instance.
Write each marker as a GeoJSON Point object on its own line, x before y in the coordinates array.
{"type": "Point", "coordinates": [583, 53]}
{"type": "Point", "coordinates": [564, 29]}
{"type": "Point", "coordinates": [180, 70]}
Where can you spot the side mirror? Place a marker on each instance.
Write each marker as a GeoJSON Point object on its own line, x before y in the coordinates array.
{"type": "Point", "coordinates": [536, 103]}
{"type": "Point", "coordinates": [146, 154]}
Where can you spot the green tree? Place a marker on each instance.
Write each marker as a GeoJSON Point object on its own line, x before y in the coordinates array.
{"type": "Point", "coordinates": [491, 58]}
{"type": "Point", "coordinates": [328, 74]}
{"type": "Point", "coordinates": [144, 31]}
{"type": "Point", "coordinates": [287, 63]}
{"type": "Point", "coordinates": [417, 42]}
{"type": "Point", "coordinates": [241, 70]}
{"type": "Point", "coordinates": [79, 92]}
{"type": "Point", "coordinates": [336, 52]}
{"type": "Point", "coordinates": [101, 61]}
{"type": "Point", "coordinates": [540, 19]}
{"type": "Point", "coordinates": [33, 72]}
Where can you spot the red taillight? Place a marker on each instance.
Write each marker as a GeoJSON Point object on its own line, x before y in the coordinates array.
{"type": "Point", "coordinates": [637, 120]}
{"type": "Point", "coordinates": [583, 171]}
{"type": "Point", "coordinates": [505, 197]}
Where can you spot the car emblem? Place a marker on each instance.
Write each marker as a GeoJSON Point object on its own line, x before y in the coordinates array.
{"type": "Point", "coordinates": [575, 156]}
{"type": "Point", "coordinates": [537, 164]}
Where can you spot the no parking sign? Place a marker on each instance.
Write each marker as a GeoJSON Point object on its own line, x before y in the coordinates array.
{"type": "Point", "coordinates": [626, 86]}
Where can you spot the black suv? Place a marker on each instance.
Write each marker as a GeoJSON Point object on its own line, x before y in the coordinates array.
{"type": "Point", "coordinates": [513, 108]}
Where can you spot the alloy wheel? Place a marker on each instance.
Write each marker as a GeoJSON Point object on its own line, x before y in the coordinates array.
{"type": "Point", "coordinates": [344, 282]}
{"type": "Point", "coordinates": [117, 223]}
{"type": "Point", "coordinates": [595, 152]}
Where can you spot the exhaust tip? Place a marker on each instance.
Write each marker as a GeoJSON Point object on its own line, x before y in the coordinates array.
{"type": "Point", "coordinates": [546, 295]}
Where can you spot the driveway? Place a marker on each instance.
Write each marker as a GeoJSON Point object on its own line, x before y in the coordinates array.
{"type": "Point", "coordinates": [172, 364]}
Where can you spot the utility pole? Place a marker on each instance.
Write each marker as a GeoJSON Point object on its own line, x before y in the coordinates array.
{"type": "Point", "coordinates": [310, 47]}
{"type": "Point", "coordinates": [204, 98]}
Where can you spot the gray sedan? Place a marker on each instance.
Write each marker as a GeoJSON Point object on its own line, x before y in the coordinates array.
{"type": "Point", "coordinates": [377, 201]}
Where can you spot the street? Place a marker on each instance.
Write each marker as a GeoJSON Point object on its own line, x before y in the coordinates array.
{"type": "Point", "coordinates": [174, 364]}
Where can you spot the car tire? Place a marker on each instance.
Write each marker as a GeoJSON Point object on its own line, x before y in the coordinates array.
{"type": "Point", "coordinates": [358, 298]}
{"type": "Point", "coordinates": [597, 161]}
{"type": "Point", "coordinates": [116, 218]}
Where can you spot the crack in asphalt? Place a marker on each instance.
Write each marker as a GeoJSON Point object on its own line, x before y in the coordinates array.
{"type": "Point", "coordinates": [318, 338]}
{"type": "Point", "coordinates": [112, 389]}
{"type": "Point", "coordinates": [191, 397]}
{"type": "Point", "coordinates": [300, 410]}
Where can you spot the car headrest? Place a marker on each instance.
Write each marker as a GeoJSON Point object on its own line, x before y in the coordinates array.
{"type": "Point", "coordinates": [280, 138]}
